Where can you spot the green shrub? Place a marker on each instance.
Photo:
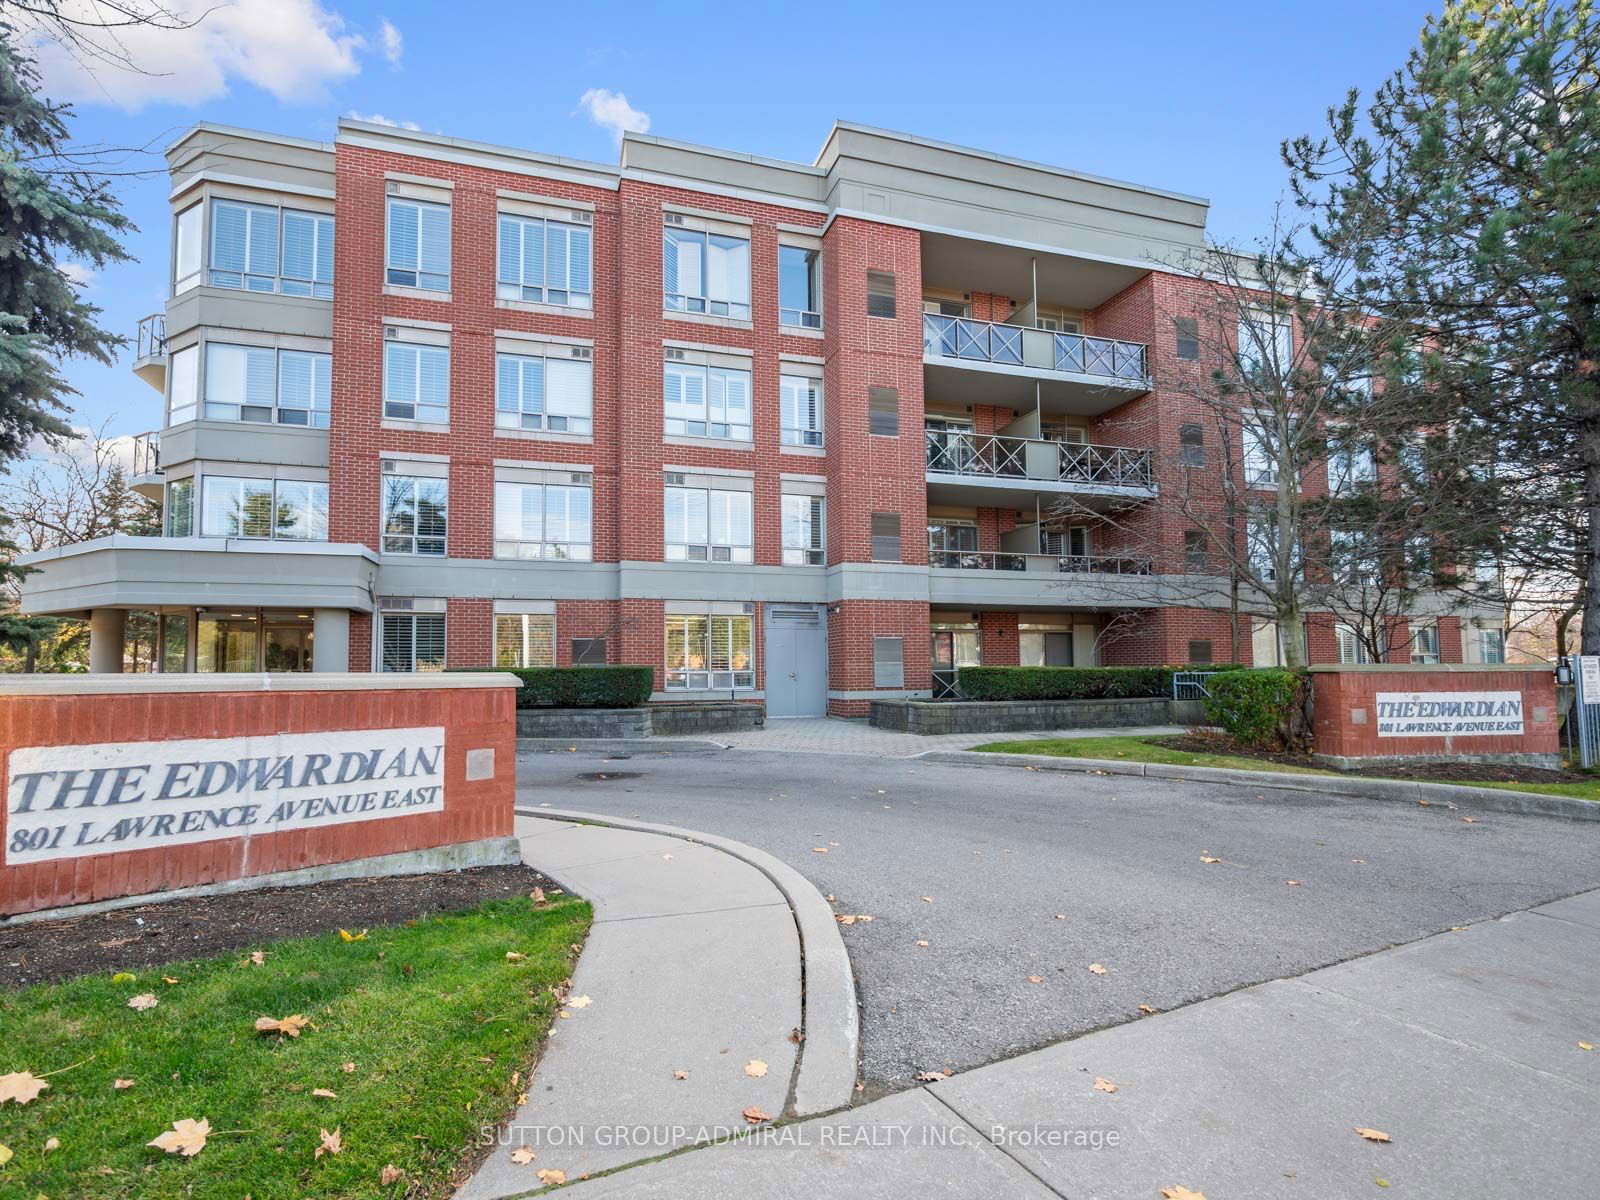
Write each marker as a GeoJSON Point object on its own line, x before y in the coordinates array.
{"type": "Point", "coordinates": [1260, 708]}
{"type": "Point", "coordinates": [1070, 683]}
{"type": "Point", "coordinates": [581, 687]}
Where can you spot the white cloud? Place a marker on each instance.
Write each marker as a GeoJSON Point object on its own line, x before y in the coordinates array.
{"type": "Point", "coordinates": [77, 272]}
{"type": "Point", "coordinates": [380, 119]}
{"type": "Point", "coordinates": [394, 45]}
{"type": "Point", "coordinates": [291, 48]}
{"type": "Point", "coordinates": [611, 110]}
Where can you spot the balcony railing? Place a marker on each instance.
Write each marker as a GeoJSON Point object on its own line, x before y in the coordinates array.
{"type": "Point", "coordinates": [992, 456]}
{"type": "Point", "coordinates": [152, 338]}
{"type": "Point", "coordinates": [1061, 564]}
{"type": "Point", "coordinates": [146, 453]}
{"type": "Point", "coordinates": [1014, 345]}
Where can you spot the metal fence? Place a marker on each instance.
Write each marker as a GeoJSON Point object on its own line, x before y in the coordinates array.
{"type": "Point", "coordinates": [1190, 685]}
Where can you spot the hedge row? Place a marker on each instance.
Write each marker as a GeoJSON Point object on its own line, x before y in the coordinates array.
{"type": "Point", "coordinates": [581, 687]}
{"type": "Point", "coordinates": [1072, 683]}
{"type": "Point", "coordinates": [1261, 708]}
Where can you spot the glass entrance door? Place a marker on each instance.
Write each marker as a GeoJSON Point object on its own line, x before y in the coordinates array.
{"type": "Point", "coordinates": [954, 647]}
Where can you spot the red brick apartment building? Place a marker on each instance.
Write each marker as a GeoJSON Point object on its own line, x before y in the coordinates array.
{"type": "Point", "coordinates": [790, 433]}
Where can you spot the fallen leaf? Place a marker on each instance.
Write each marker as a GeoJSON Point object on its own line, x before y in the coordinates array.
{"type": "Point", "coordinates": [1061, 916]}
{"type": "Point", "coordinates": [124, 977]}
{"type": "Point", "coordinates": [819, 849]}
{"type": "Point", "coordinates": [1096, 969]}
{"type": "Point", "coordinates": [390, 1174]}
{"type": "Point", "coordinates": [332, 1143]}
{"type": "Point", "coordinates": [1373, 1135]}
{"type": "Point", "coordinates": [844, 918]}
{"type": "Point", "coordinates": [348, 1068]}
{"type": "Point", "coordinates": [928, 899]}
{"type": "Point", "coordinates": [922, 943]}
{"type": "Point", "coordinates": [666, 858]}
{"type": "Point", "coordinates": [1469, 820]}
{"type": "Point", "coordinates": [346, 936]}
{"type": "Point", "coordinates": [1425, 803]}
{"type": "Point", "coordinates": [1035, 978]}
{"type": "Point", "coordinates": [515, 956]}
{"type": "Point", "coordinates": [796, 1036]}
{"type": "Point", "coordinates": [258, 958]}
{"type": "Point", "coordinates": [52, 1143]}
{"type": "Point", "coordinates": [143, 1001]}
{"type": "Point", "coordinates": [579, 1002]}
{"type": "Point", "coordinates": [287, 1027]}
{"type": "Point", "coordinates": [20, 1087]}
{"type": "Point", "coordinates": [755, 1068]}
{"type": "Point", "coordinates": [537, 895]}
{"type": "Point", "coordinates": [680, 1074]}
{"type": "Point", "coordinates": [1292, 882]}
{"type": "Point", "coordinates": [1359, 860]}
{"type": "Point", "coordinates": [1181, 1193]}
{"type": "Point", "coordinates": [186, 1137]}
{"type": "Point", "coordinates": [552, 1177]}
{"type": "Point", "coordinates": [522, 1156]}
{"type": "Point", "coordinates": [1585, 1045]}
{"type": "Point", "coordinates": [1207, 858]}
{"type": "Point", "coordinates": [324, 1094]}
{"type": "Point", "coordinates": [169, 980]}
{"type": "Point", "coordinates": [928, 1076]}
{"type": "Point", "coordinates": [122, 1085]}
{"type": "Point", "coordinates": [1383, 1183]}
{"type": "Point", "coordinates": [1101, 1084]}
{"type": "Point", "coordinates": [755, 1116]}
{"type": "Point", "coordinates": [1147, 1008]}
{"type": "Point", "coordinates": [5, 1154]}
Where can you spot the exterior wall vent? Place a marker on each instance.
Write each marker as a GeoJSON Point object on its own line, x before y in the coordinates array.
{"type": "Point", "coordinates": [676, 355]}
{"type": "Point", "coordinates": [582, 352]}
{"type": "Point", "coordinates": [674, 218]}
{"type": "Point", "coordinates": [390, 333]}
{"type": "Point", "coordinates": [674, 478]}
{"type": "Point", "coordinates": [582, 218]}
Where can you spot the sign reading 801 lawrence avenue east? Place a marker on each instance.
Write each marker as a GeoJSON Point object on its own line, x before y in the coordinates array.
{"type": "Point", "coordinates": [72, 801]}
{"type": "Point", "coordinates": [1449, 714]}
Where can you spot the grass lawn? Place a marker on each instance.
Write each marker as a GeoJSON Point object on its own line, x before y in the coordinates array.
{"type": "Point", "coordinates": [1140, 749]}
{"type": "Point", "coordinates": [418, 1029]}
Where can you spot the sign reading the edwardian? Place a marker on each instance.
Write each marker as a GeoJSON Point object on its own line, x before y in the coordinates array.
{"type": "Point", "coordinates": [1449, 714]}
{"type": "Point", "coordinates": [72, 801]}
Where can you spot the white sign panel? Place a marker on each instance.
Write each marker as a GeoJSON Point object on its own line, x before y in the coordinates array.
{"type": "Point", "coordinates": [1449, 714]}
{"type": "Point", "coordinates": [1589, 670]}
{"type": "Point", "coordinates": [72, 801]}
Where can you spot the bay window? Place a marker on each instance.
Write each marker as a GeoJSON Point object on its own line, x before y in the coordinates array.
{"type": "Point", "coordinates": [418, 250]}
{"type": "Point", "coordinates": [800, 410]}
{"type": "Point", "coordinates": [544, 261]}
{"type": "Point", "coordinates": [415, 511]}
{"type": "Point", "coordinates": [180, 508]}
{"type": "Point", "coordinates": [706, 401]}
{"type": "Point", "coordinates": [708, 525]}
{"type": "Point", "coordinates": [283, 509]}
{"type": "Point", "coordinates": [705, 268]}
{"type": "Point", "coordinates": [183, 385]}
{"type": "Point", "coordinates": [543, 520]}
{"type": "Point", "coordinates": [259, 248]}
{"type": "Point", "coordinates": [710, 652]}
{"type": "Point", "coordinates": [551, 393]}
{"type": "Point", "coordinates": [186, 245]}
{"type": "Point", "coordinates": [307, 255]}
{"type": "Point", "coordinates": [803, 531]}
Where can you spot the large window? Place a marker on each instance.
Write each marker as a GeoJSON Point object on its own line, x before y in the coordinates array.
{"type": "Point", "coordinates": [1260, 454]}
{"type": "Point", "coordinates": [1351, 648]}
{"type": "Point", "coordinates": [1266, 345]}
{"type": "Point", "coordinates": [1352, 464]}
{"type": "Point", "coordinates": [187, 237]}
{"type": "Point", "coordinates": [260, 248]}
{"type": "Point", "coordinates": [707, 401]}
{"type": "Point", "coordinates": [1492, 646]}
{"type": "Point", "coordinates": [543, 520]}
{"type": "Point", "coordinates": [413, 641]}
{"type": "Point", "coordinates": [183, 385]}
{"type": "Point", "coordinates": [800, 287]}
{"type": "Point", "coordinates": [419, 245]}
{"type": "Point", "coordinates": [524, 640]}
{"type": "Point", "coordinates": [416, 382]}
{"type": "Point", "coordinates": [1261, 538]}
{"type": "Point", "coordinates": [415, 508]}
{"type": "Point", "coordinates": [263, 385]}
{"type": "Point", "coordinates": [800, 410]}
{"type": "Point", "coordinates": [285, 509]}
{"type": "Point", "coordinates": [544, 261]}
{"type": "Point", "coordinates": [708, 525]}
{"type": "Point", "coordinates": [804, 537]}
{"type": "Point", "coordinates": [707, 653]}
{"type": "Point", "coordinates": [706, 271]}
{"type": "Point", "coordinates": [549, 394]}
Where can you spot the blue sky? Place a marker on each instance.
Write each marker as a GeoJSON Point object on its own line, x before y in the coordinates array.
{"type": "Point", "coordinates": [1192, 97]}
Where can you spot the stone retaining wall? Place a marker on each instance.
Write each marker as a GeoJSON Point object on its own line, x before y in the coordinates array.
{"type": "Point", "coordinates": [1016, 716]}
{"type": "Point", "coordinates": [583, 722]}
{"type": "Point", "coordinates": [696, 720]}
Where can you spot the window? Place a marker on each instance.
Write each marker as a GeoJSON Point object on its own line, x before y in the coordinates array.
{"type": "Point", "coordinates": [1354, 559]}
{"type": "Point", "coordinates": [1261, 538]}
{"type": "Point", "coordinates": [183, 399]}
{"type": "Point", "coordinates": [888, 662]}
{"type": "Point", "coordinates": [1186, 335]}
{"type": "Point", "coordinates": [1492, 645]}
{"type": "Point", "coordinates": [551, 394]}
{"type": "Point", "coordinates": [705, 271]}
{"type": "Point", "coordinates": [1351, 465]}
{"type": "Point", "coordinates": [244, 246]}
{"type": "Point", "coordinates": [885, 537]}
{"type": "Point", "coordinates": [416, 382]}
{"type": "Point", "coordinates": [884, 406]}
{"type": "Point", "coordinates": [800, 287]}
{"type": "Point", "coordinates": [544, 261]}
{"type": "Point", "coordinates": [800, 410]}
{"type": "Point", "coordinates": [705, 401]}
{"type": "Point", "coordinates": [948, 539]}
{"type": "Point", "coordinates": [262, 385]}
{"type": "Point", "coordinates": [589, 652]}
{"type": "Point", "coordinates": [710, 652]}
{"type": "Point", "coordinates": [1260, 455]}
{"type": "Point", "coordinates": [305, 388]}
{"type": "Point", "coordinates": [707, 525]}
{"type": "Point", "coordinates": [258, 248]}
{"type": "Point", "coordinates": [942, 307]}
{"type": "Point", "coordinates": [1196, 550]}
{"type": "Point", "coordinates": [1351, 648]}
{"type": "Point", "coordinates": [186, 249]}
{"type": "Point", "coordinates": [880, 294]}
{"type": "Point", "coordinates": [1200, 651]}
{"type": "Point", "coordinates": [414, 514]}
{"type": "Point", "coordinates": [1192, 445]}
{"type": "Point", "coordinates": [174, 642]}
{"type": "Point", "coordinates": [543, 520]}
{"type": "Point", "coordinates": [524, 640]}
{"type": "Point", "coordinates": [1425, 643]}
{"type": "Point", "coordinates": [419, 245]}
{"type": "Point", "coordinates": [413, 642]}
{"type": "Point", "coordinates": [307, 254]}
{"type": "Point", "coordinates": [180, 508]}
{"type": "Point", "coordinates": [1072, 542]}
{"type": "Point", "coordinates": [1266, 345]}
{"type": "Point", "coordinates": [803, 538]}
{"type": "Point", "coordinates": [285, 509]}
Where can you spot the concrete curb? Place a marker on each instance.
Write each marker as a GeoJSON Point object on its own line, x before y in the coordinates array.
{"type": "Point", "coordinates": [826, 1076]}
{"type": "Point", "coordinates": [652, 745]}
{"type": "Point", "coordinates": [1487, 799]}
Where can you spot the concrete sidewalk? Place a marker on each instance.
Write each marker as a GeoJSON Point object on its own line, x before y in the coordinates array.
{"type": "Point", "coordinates": [828, 735]}
{"type": "Point", "coordinates": [1462, 1048]}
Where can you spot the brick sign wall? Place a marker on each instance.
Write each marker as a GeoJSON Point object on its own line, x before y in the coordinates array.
{"type": "Point", "coordinates": [128, 785]}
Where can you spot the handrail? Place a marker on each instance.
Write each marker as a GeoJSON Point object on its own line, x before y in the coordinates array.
{"type": "Point", "coordinates": [152, 336]}
{"type": "Point", "coordinates": [146, 453]}
{"type": "Point", "coordinates": [998, 456]}
{"type": "Point", "coordinates": [995, 342]}
{"type": "Point", "coordinates": [1065, 564]}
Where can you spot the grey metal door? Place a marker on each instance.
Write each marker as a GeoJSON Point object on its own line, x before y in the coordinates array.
{"type": "Point", "coordinates": [1058, 649]}
{"type": "Point", "coordinates": [797, 660]}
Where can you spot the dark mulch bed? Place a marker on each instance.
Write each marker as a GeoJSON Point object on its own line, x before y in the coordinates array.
{"type": "Point", "coordinates": [147, 935]}
{"type": "Point", "coordinates": [1452, 772]}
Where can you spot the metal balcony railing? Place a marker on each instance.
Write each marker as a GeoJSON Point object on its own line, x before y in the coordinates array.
{"type": "Point", "coordinates": [994, 456]}
{"type": "Point", "coordinates": [146, 453]}
{"type": "Point", "coordinates": [1064, 564]}
{"type": "Point", "coordinates": [152, 337]}
{"type": "Point", "coordinates": [1014, 345]}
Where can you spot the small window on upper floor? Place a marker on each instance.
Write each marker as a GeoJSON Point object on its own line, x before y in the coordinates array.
{"type": "Point", "coordinates": [418, 253]}
{"type": "Point", "coordinates": [1186, 333]}
{"type": "Point", "coordinates": [186, 248]}
{"type": "Point", "coordinates": [880, 294]}
{"type": "Point", "coordinates": [1192, 445]}
{"type": "Point", "coordinates": [800, 287]}
{"type": "Point", "coordinates": [259, 248]}
{"type": "Point", "coordinates": [416, 382]}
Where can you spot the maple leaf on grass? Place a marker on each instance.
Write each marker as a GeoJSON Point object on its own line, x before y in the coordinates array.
{"type": "Point", "coordinates": [390, 1174]}
{"type": "Point", "coordinates": [122, 1085]}
{"type": "Point", "coordinates": [20, 1087]}
{"type": "Point", "coordinates": [287, 1026]}
{"type": "Point", "coordinates": [331, 1143]}
{"type": "Point", "coordinates": [186, 1137]}
{"type": "Point", "coordinates": [346, 936]}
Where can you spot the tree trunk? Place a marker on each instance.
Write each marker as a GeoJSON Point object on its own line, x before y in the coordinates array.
{"type": "Point", "coordinates": [1591, 504]}
{"type": "Point", "coordinates": [1291, 628]}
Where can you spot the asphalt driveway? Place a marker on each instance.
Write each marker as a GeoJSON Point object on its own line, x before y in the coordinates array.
{"type": "Point", "coordinates": [1011, 876]}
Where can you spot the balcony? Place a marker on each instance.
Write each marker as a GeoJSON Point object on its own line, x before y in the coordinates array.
{"type": "Point", "coordinates": [1048, 564]}
{"type": "Point", "coordinates": [1020, 367]}
{"type": "Point", "coordinates": [994, 470]}
{"type": "Point", "coordinates": [144, 470]}
{"type": "Point", "coordinates": [150, 351]}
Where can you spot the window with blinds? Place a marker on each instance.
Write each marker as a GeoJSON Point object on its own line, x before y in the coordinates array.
{"type": "Point", "coordinates": [415, 511]}
{"type": "Point", "coordinates": [888, 662]}
{"type": "Point", "coordinates": [418, 253]}
{"type": "Point", "coordinates": [284, 509]}
{"type": "Point", "coordinates": [705, 272]}
{"type": "Point", "coordinates": [538, 393]}
{"type": "Point", "coordinates": [703, 401]}
{"type": "Point", "coordinates": [307, 255]}
{"type": "Point", "coordinates": [707, 525]}
{"type": "Point", "coordinates": [543, 521]}
{"type": "Point", "coordinates": [880, 294]}
{"type": "Point", "coordinates": [885, 537]}
{"type": "Point", "coordinates": [710, 653]}
{"type": "Point", "coordinates": [412, 641]}
{"type": "Point", "coordinates": [258, 248]}
{"type": "Point", "coordinates": [803, 536]}
{"type": "Point", "coordinates": [545, 262]}
{"type": "Point", "coordinates": [800, 410]}
{"type": "Point", "coordinates": [261, 385]}
{"type": "Point", "coordinates": [883, 403]}
{"type": "Point", "coordinates": [524, 640]}
{"type": "Point", "coordinates": [244, 246]}
{"type": "Point", "coordinates": [416, 382]}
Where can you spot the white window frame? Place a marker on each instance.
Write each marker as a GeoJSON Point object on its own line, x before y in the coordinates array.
{"type": "Point", "coordinates": [189, 248]}
{"type": "Point", "coordinates": [574, 292]}
{"type": "Point", "coordinates": [431, 413]}
{"type": "Point", "coordinates": [385, 617]}
{"type": "Point", "coordinates": [811, 549]}
{"type": "Point", "coordinates": [717, 627]}
{"type": "Point", "coordinates": [704, 416]}
{"type": "Point", "coordinates": [253, 276]}
{"type": "Point", "coordinates": [532, 415]}
{"type": "Point", "coordinates": [715, 506]}
{"type": "Point", "coordinates": [390, 482]}
{"type": "Point", "coordinates": [524, 625]}
{"type": "Point", "coordinates": [543, 547]}
{"type": "Point", "coordinates": [183, 373]}
{"type": "Point", "coordinates": [1498, 639]}
{"type": "Point", "coordinates": [1351, 648]}
{"type": "Point", "coordinates": [1281, 341]}
{"type": "Point", "coordinates": [413, 271]}
{"type": "Point", "coordinates": [316, 414]}
{"type": "Point", "coordinates": [1425, 643]}
{"type": "Point", "coordinates": [735, 304]}
{"type": "Point", "coordinates": [1260, 458]}
{"type": "Point", "coordinates": [174, 505]}
{"type": "Point", "coordinates": [800, 410]}
{"type": "Point", "coordinates": [314, 514]}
